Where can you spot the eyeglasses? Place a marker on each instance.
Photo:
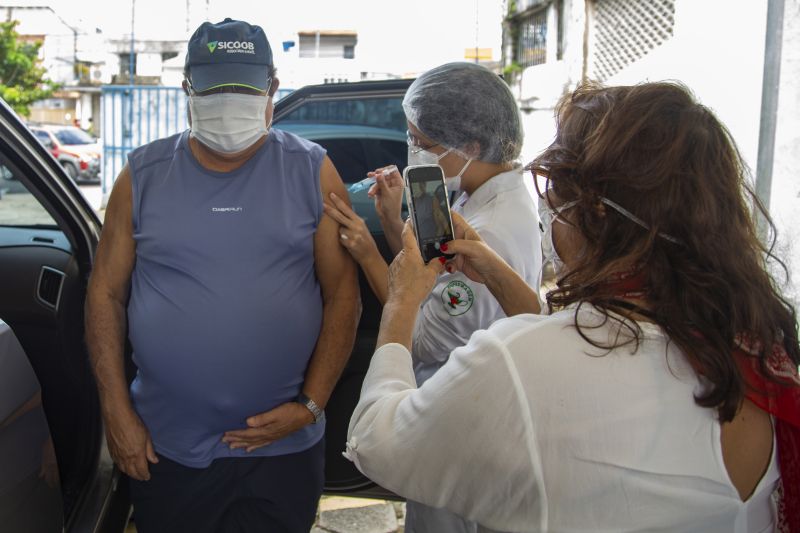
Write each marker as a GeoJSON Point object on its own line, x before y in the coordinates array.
{"type": "Point", "coordinates": [416, 144]}
{"type": "Point", "coordinates": [540, 181]}
{"type": "Point", "coordinates": [542, 185]}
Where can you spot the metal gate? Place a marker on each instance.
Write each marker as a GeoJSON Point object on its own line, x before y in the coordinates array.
{"type": "Point", "coordinates": [133, 115]}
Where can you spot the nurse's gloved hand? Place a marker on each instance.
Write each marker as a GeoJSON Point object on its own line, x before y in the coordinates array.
{"type": "Point", "coordinates": [473, 257]}
{"type": "Point", "coordinates": [354, 235]}
{"type": "Point", "coordinates": [265, 428]}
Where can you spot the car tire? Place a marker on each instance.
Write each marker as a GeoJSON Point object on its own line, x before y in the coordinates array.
{"type": "Point", "coordinates": [72, 171]}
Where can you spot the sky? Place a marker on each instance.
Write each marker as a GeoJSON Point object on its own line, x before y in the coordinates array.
{"type": "Point", "coordinates": [407, 36]}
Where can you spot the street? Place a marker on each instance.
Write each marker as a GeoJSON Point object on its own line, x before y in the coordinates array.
{"type": "Point", "coordinates": [94, 194]}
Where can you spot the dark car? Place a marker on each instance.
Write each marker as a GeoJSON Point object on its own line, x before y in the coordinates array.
{"type": "Point", "coordinates": [77, 151]}
{"type": "Point", "coordinates": [54, 469]}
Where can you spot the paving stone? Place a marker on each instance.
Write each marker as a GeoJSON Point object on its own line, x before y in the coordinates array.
{"type": "Point", "coordinates": [400, 510]}
{"type": "Point", "coordinates": [333, 503]}
{"type": "Point", "coordinates": [371, 519]}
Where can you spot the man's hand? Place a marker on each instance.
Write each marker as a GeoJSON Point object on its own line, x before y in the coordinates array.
{"type": "Point", "coordinates": [266, 428]}
{"type": "Point", "coordinates": [130, 445]}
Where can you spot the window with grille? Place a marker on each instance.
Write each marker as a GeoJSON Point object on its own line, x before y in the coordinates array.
{"type": "Point", "coordinates": [532, 44]}
{"type": "Point", "coordinates": [624, 31]}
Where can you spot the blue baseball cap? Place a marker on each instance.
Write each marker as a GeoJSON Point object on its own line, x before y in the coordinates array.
{"type": "Point", "coordinates": [231, 52]}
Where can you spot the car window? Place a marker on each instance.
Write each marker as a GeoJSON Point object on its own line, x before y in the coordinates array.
{"type": "Point", "coordinates": [43, 136]}
{"type": "Point", "coordinates": [18, 207]}
{"type": "Point", "coordinates": [73, 136]}
{"type": "Point", "coordinates": [384, 112]}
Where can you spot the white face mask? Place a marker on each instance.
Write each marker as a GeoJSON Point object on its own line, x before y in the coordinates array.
{"type": "Point", "coordinates": [546, 218]}
{"type": "Point", "coordinates": [228, 122]}
{"type": "Point", "coordinates": [418, 156]}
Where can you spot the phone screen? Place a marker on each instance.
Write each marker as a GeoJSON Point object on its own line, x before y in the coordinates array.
{"type": "Point", "coordinates": [430, 209]}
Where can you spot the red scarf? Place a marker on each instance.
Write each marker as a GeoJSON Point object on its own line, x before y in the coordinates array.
{"type": "Point", "coordinates": [781, 400]}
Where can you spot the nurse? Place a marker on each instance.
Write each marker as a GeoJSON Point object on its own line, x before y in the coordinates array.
{"type": "Point", "coordinates": [463, 117]}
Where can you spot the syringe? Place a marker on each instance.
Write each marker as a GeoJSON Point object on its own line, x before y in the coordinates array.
{"type": "Point", "coordinates": [367, 182]}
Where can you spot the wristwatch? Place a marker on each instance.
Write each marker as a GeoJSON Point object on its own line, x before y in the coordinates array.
{"type": "Point", "coordinates": [318, 413]}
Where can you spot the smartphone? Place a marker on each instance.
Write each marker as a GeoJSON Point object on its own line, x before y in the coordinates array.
{"type": "Point", "coordinates": [429, 207]}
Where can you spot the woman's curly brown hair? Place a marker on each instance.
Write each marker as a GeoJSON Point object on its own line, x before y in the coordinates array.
{"type": "Point", "coordinates": [654, 150]}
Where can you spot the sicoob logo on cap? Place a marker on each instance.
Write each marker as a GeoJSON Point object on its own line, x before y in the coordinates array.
{"type": "Point", "coordinates": [232, 47]}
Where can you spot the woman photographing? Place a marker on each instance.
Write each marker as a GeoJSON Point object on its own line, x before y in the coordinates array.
{"type": "Point", "coordinates": [661, 393]}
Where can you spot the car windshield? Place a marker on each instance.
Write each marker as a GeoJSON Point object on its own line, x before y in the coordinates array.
{"type": "Point", "coordinates": [73, 136]}
{"type": "Point", "coordinates": [384, 113]}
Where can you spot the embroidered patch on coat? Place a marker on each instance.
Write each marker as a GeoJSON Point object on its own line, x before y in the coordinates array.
{"type": "Point", "coordinates": [457, 298]}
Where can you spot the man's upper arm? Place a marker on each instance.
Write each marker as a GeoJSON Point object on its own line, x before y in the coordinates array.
{"type": "Point", "coordinates": [116, 251]}
{"type": "Point", "coordinates": [333, 263]}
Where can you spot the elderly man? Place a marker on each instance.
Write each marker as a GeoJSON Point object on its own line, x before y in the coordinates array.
{"type": "Point", "coordinates": [241, 307]}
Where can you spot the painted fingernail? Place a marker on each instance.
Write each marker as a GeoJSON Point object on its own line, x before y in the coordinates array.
{"type": "Point", "coordinates": [442, 260]}
{"type": "Point", "coordinates": [449, 269]}
{"type": "Point", "coordinates": [443, 247]}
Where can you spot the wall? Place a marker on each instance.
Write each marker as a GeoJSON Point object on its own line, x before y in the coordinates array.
{"type": "Point", "coordinates": [539, 87]}
{"type": "Point", "coordinates": [717, 50]}
{"type": "Point", "coordinates": [785, 200]}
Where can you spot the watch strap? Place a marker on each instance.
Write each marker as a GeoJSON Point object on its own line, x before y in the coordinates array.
{"type": "Point", "coordinates": [311, 406]}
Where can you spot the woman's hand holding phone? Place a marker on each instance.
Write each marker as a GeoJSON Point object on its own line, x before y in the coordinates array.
{"type": "Point", "coordinates": [476, 260]}
{"type": "Point", "coordinates": [410, 282]}
{"type": "Point", "coordinates": [473, 257]}
{"type": "Point", "coordinates": [410, 279]}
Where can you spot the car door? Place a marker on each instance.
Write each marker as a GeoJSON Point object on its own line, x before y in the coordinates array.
{"type": "Point", "coordinates": [362, 126]}
{"type": "Point", "coordinates": [48, 234]}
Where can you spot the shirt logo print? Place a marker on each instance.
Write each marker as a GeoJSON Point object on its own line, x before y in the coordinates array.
{"type": "Point", "coordinates": [457, 298]}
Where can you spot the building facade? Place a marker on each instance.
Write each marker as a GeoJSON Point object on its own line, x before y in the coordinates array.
{"type": "Point", "coordinates": [715, 47]}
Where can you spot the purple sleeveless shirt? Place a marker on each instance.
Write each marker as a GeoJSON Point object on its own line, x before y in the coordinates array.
{"type": "Point", "coordinates": [225, 307]}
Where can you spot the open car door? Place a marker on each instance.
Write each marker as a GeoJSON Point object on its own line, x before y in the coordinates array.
{"type": "Point", "coordinates": [48, 234]}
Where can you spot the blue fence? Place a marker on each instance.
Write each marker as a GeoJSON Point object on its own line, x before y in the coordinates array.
{"type": "Point", "coordinates": [134, 115]}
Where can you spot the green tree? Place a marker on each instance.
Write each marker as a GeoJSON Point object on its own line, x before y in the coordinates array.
{"type": "Point", "coordinates": [22, 79]}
